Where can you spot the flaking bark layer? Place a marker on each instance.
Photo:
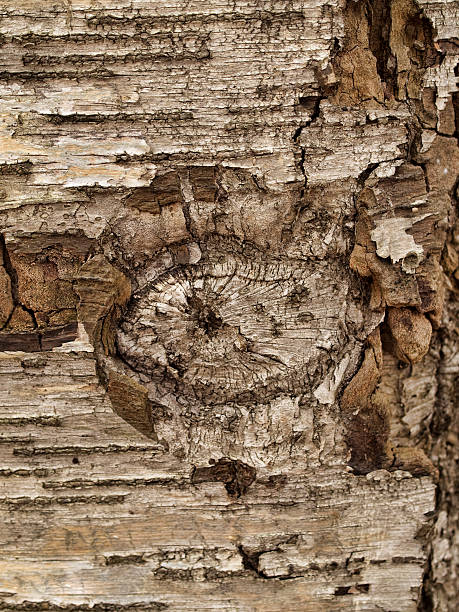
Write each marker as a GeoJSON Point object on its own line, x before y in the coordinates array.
{"type": "Point", "coordinates": [228, 282]}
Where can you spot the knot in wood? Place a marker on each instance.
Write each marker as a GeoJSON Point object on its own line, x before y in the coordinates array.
{"type": "Point", "coordinates": [231, 326]}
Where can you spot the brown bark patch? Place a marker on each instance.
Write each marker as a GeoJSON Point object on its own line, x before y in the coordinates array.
{"type": "Point", "coordinates": [367, 421]}
{"type": "Point", "coordinates": [101, 288]}
{"type": "Point", "coordinates": [39, 340]}
{"type": "Point", "coordinates": [415, 461]}
{"type": "Point", "coordinates": [356, 65]}
{"type": "Point", "coordinates": [411, 332]}
{"type": "Point", "coordinates": [367, 436]}
{"type": "Point", "coordinates": [386, 50]}
{"type": "Point", "coordinates": [203, 182]}
{"type": "Point", "coordinates": [163, 191]}
{"type": "Point", "coordinates": [130, 401]}
{"type": "Point", "coordinates": [6, 299]}
{"type": "Point", "coordinates": [38, 309]}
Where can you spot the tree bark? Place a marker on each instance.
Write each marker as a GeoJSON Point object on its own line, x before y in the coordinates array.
{"type": "Point", "coordinates": [228, 319]}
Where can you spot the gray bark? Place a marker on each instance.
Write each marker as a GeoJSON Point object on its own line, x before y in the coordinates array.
{"type": "Point", "coordinates": [228, 316]}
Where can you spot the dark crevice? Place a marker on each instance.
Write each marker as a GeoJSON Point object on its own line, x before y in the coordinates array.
{"type": "Point", "coordinates": [206, 318]}
{"type": "Point", "coordinates": [352, 590]}
{"type": "Point", "coordinates": [134, 559]}
{"type": "Point", "coordinates": [303, 172]}
{"type": "Point", "coordinates": [426, 603]}
{"type": "Point", "coordinates": [424, 171]}
{"type": "Point", "coordinates": [234, 474]}
{"type": "Point", "coordinates": [17, 168]}
{"type": "Point", "coordinates": [9, 269]}
{"type": "Point", "coordinates": [342, 590]}
{"type": "Point", "coordinates": [312, 103]}
{"type": "Point", "coordinates": [414, 146]}
{"type": "Point", "coordinates": [250, 561]}
{"type": "Point", "coordinates": [379, 22]}
{"type": "Point", "coordinates": [363, 176]}
{"type": "Point", "coordinates": [297, 133]}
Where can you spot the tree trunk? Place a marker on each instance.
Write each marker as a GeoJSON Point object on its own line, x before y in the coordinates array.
{"type": "Point", "coordinates": [228, 318]}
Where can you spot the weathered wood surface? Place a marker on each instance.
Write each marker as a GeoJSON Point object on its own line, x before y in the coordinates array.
{"type": "Point", "coordinates": [232, 225]}
{"type": "Point", "coordinates": [95, 514]}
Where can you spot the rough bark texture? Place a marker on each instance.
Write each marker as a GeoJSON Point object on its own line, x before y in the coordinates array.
{"type": "Point", "coordinates": [228, 305]}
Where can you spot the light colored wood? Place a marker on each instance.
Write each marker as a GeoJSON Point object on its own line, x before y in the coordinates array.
{"type": "Point", "coordinates": [228, 308]}
{"type": "Point", "coordinates": [125, 524]}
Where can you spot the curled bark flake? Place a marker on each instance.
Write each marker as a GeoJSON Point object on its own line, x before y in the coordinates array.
{"type": "Point", "coordinates": [130, 400]}
{"type": "Point", "coordinates": [411, 332]}
{"type": "Point", "coordinates": [415, 461]}
{"type": "Point", "coordinates": [102, 288]}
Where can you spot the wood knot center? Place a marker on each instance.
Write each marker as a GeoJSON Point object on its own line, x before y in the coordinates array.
{"type": "Point", "coordinates": [206, 318]}
{"type": "Point", "coordinates": [228, 327]}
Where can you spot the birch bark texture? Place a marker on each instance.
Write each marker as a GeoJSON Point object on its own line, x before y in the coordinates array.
{"type": "Point", "coordinates": [228, 312]}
